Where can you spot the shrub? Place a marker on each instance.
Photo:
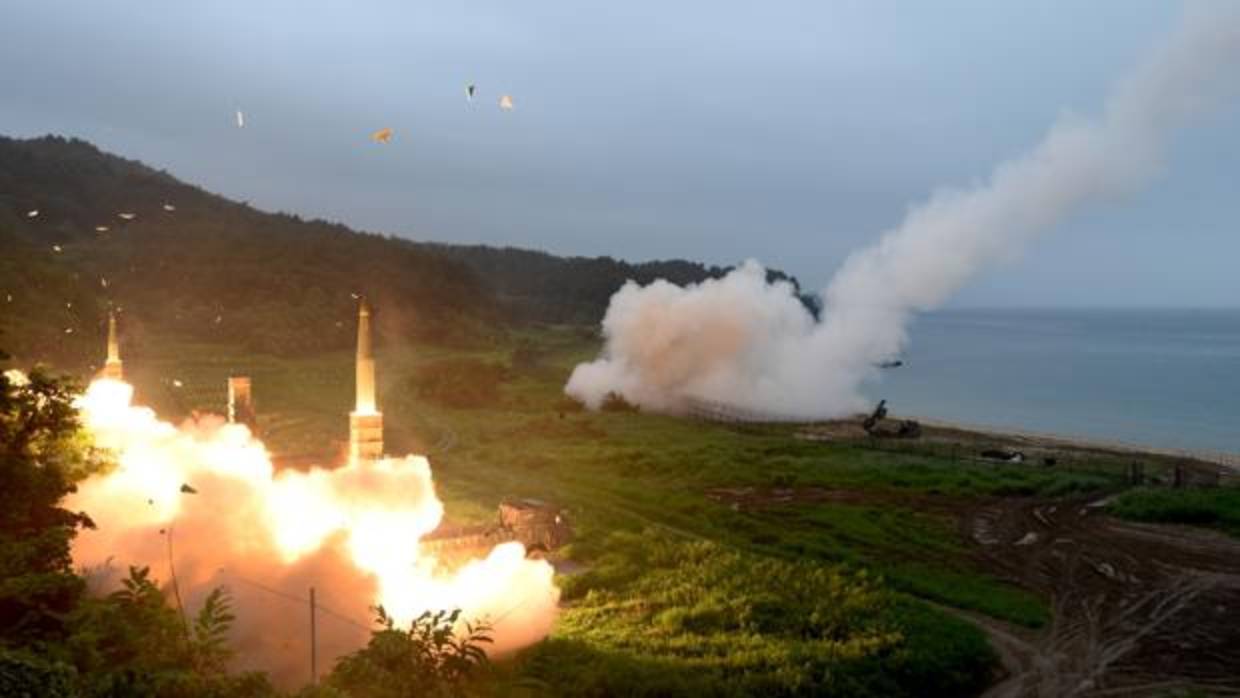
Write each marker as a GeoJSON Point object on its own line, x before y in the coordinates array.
{"type": "Point", "coordinates": [24, 676]}
{"type": "Point", "coordinates": [614, 402]}
{"type": "Point", "coordinates": [431, 658]}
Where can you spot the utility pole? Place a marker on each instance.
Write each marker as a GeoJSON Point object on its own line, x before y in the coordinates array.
{"type": "Point", "coordinates": [314, 660]}
{"type": "Point", "coordinates": [176, 588]}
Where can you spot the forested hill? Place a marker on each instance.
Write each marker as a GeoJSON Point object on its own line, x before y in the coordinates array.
{"type": "Point", "coordinates": [185, 261]}
{"type": "Point", "coordinates": [539, 286]}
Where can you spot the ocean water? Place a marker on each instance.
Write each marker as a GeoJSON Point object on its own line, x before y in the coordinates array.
{"type": "Point", "coordinates": [1164, 378]}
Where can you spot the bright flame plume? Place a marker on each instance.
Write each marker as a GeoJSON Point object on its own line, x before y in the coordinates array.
{"type": "Point", "coordinates": [352, 532]}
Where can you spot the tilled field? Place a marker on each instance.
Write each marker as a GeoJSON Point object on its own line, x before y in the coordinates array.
{"type": "Point", "coordinates": [1137, 609]}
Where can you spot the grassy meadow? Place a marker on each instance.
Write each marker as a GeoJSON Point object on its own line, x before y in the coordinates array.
{"type": "Point", "coordinates": [672, 590]}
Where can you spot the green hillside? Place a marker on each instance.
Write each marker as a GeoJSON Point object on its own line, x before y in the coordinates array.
{"type": "Point", "coordinates": [216, 270]}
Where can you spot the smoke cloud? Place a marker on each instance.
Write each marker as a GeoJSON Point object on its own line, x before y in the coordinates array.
{"type": "Point", "coordinates": [749, 344]}
{"type": "Point", "coordinates": [350, 532]}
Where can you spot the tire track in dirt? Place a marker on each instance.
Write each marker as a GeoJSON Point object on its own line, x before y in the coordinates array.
{"type": "Point", "coordinates": [1137, 610]}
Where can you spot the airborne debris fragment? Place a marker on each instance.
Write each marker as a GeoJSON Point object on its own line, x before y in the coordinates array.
{"type": "Point", "coordinates": [505, 102]}
{"type": "Point", "coordinates": [55, 248]}
{"type": "Point", "coordinates": [469, 91]}
{"type": "Point", "coordinates": [33, 213]}
{"type": "Point", "coordinates": [383, 135]}
{"type": "Point", "coordinates": [101, 229]}
{"type": "Point", "coordinates": [169, 207]}
{"type": "Point", "coordinates": [185, 488]}
{"type": "Point", "coordinates": [240, 119]}
{"type": "Point", "coordinates": [177, 383]}
{"type": "Point", "coordinates": [128, 216]}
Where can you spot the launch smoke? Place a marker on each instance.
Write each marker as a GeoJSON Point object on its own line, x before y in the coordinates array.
{"type": "Point", "coordinates": [203, 501]}
{"type": "Point", "coordinates": [741, 341]}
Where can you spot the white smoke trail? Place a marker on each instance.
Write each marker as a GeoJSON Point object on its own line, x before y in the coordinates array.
{"type": "Point", "coordinates": [743, 342]}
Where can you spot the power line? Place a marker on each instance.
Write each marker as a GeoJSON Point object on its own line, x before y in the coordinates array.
{"type": "Point", "coordinates": [297, 599]}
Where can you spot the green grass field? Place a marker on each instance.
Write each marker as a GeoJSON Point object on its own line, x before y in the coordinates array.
{"type": "Point", "coordinates": [679, 592]}
{"type": "Point", "coordinates": [1214, 508]}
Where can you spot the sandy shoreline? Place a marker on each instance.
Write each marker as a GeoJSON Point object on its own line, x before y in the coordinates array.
{"type": "Point", "coordinates": [1223, 458]}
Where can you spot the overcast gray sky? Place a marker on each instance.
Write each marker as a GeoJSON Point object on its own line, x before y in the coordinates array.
{"type": "Point", "coordinates": [791, 132]}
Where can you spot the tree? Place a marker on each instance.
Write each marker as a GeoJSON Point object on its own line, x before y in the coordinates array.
{"type": "Point", "coordinates": [54, 639]}
{"type": "Point", "coordinates": [429, 659]}
{"type": "Point", "coordinates": [132, 643]}
{"type": "Point", "coordinates": [40, 450]}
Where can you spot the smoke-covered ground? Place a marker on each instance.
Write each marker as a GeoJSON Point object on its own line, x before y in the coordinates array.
{"type": "Point", "coordinates": [202, 500]}
{"type": "Point", "coordinates": [743, 342]}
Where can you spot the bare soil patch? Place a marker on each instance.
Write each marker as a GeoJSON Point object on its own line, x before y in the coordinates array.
{"type": "Point", "coordinates": [1137, 609]}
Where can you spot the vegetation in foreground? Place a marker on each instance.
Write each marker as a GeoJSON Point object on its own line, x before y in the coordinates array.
{"type": "Point", "coordinates": [657, 616]}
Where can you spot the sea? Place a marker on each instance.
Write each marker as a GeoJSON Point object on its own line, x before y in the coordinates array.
{"type": "Point", "coordinates": [1157, 378]}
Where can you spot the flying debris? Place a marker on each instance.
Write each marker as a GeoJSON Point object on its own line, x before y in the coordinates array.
{"type": "Point", "coordinates": [185, 488]}
{"type": "Point", "coordinates": [103, 282]}
{"type": "Point", "coordinates": [68, 330]}
{"type": "Point", "coordinates": [383, 135]}
{"type": "Point", "coordinates": [176, 383]}
{"type": "Point", "coordinates": [8, 298]}
{"type": "Point", "coordinates": [893, 363]}
{"type": "Point", "coordinates": [101, 229]}
{"type": "Point", "coordinates": [33, 214]}
{"type": "Point", "coordinates": [55, 248]}
{"type": "Point", "coordinates": [505, 102]}
{"type": "Point", "coordinates": [219, 319]}
{"type": "Point", "coordinates": [240, 119]}
{"type": "Point", "coordinates": [128, 216]}
{"type": "Point", "coordinates": [169, 207]}
{"type": "Point", "coordinates": [469, 92]}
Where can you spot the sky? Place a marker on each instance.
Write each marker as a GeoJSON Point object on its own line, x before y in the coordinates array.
{"type": "Point", "coordinates": [788, 132]}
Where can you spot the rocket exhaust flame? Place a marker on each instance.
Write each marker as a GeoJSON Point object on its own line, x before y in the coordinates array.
{"type": "Point", "coordinates": [351, 532]}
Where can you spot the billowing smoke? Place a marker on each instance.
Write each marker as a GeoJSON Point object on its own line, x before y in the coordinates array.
{"type": "Point", "coordinates": [203, 501]}
{"type": "Point", "coordinates": [746, 343]}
